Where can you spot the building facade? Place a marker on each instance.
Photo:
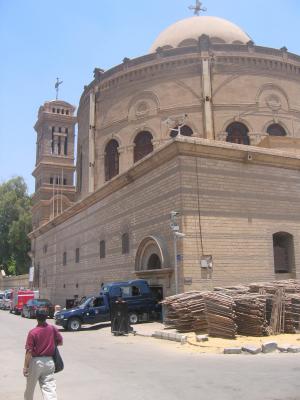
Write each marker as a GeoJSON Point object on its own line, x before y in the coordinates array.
{"type": "Point", "coordinates": [207, 124]}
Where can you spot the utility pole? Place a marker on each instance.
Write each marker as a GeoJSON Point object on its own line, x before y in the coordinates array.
{"type": "Point", "coordinates": [176, 235]}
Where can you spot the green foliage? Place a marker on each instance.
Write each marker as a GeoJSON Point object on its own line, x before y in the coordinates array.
{"type": "Point", "coordinates": [12, 266]}
{"type": "Point", "coordinates": [15, 224]}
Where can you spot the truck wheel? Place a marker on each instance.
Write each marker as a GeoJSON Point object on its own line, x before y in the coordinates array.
{"type": "Point", "coordinates": [74, 324]}
{"type": "Point", "coordinates": [133, 318]}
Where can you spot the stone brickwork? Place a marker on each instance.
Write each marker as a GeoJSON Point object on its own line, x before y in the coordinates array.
{"type": "Point", "coordinates": [54, 169]}
{"type": "Point", "coordinates": [10, 282]}
{"type": "Point", "coordinates": [254, 85]}
{"type": "Point", "coordinates": [241, 205]}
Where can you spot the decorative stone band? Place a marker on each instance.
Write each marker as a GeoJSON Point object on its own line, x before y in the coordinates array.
{"type": "Point", "coordinates": [165, 61]}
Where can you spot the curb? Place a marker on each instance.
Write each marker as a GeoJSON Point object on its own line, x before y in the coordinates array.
{"type": "Point", "coordinates": [174, 337]}
{"type": "Point", "coordinates": [264, 348]}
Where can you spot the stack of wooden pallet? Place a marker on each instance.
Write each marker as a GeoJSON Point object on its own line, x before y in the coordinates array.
{"type": "Point", "coordinates": [258, 309]}
{"type": "Point", "coordinates": [289, 286]}
{"type": "Point", "coordinates": [185, 312]}
{"type": "Point", "coordinates": [292, 313]}
{"type": "Point", "coordinates": [282, 310]}
{"type": "Point", "coordinates": [220, 315]}
{"type": "Point", "coordinates": [251, 317]}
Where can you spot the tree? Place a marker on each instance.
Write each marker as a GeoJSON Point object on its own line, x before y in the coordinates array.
{"type": "Point", "coordinates": [15, 224]}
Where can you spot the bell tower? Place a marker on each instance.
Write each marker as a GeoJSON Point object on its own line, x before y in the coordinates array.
{"type": "Point", "coordinates": [54, 168]}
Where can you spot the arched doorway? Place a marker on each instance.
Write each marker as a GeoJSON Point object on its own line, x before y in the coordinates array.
{"type": "Point", "coordinates": [237, 133]}
{"type": "Point", "coordinates": [154, 262]}
{"type": "Point", "coordinates": [283, 250]}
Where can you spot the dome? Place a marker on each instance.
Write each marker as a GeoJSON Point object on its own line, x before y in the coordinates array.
{"type": "Point", "coordinates": [187, 31]}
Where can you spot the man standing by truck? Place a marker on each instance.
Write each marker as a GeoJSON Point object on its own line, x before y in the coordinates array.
{"type": "Point", "coordinates": [39, 364]}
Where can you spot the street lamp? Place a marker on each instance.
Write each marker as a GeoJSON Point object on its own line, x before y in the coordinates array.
{"type": "Point", "coordinates": [176, 235]}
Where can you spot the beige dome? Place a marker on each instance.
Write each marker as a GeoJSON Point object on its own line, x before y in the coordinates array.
{"type": "Point", "coordinates": [187, 31]}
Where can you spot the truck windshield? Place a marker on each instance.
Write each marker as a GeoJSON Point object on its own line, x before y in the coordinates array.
{"type": "Point", "coordinates": [85, 302]}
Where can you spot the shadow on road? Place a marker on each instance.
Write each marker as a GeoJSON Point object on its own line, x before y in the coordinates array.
{"type": "Point", "coordinates": [95, 327]}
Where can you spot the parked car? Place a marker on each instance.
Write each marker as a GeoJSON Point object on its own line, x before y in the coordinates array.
{"type": "Point", "coordinates": [6, 300]}
{"type": "Point", "coordinates": [20, 297]}
{"type": "Point", "coordinates": [30, 308]}
{"type": "Point", "coordinates": [1, 299]}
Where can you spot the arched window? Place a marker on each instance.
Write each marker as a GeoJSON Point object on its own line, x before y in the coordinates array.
{"type": "Point", "coordinates": [102, 249]}
{"type": "Point", "coordinates": [143, 145]}
{"type": "Point", "coordinates": [79, 168]}
{"type": "Point", "coordinates": [125, 243]}
{"type": "Point", "coordinates": [283, 249]}
{"type": "Point", "coordinates": [276, 130]}
{"type": "Point", "coordinates": [66, 145]}
{"type": "Point", "coordinates": [154, 262]}
{"type": "Point", "coordinates": [184, 131]}
{"type": "Point", "coordinates": [111, 159]}
{"type": "Point", "coordinates": [237, 133]}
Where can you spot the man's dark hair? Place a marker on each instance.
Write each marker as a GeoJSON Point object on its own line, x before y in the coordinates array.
{"type": "Point", "coordinates": [41, 316]}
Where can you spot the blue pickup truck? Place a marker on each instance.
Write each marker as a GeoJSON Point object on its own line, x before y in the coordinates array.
{"type": "Point", "coordinates": [142, 305]}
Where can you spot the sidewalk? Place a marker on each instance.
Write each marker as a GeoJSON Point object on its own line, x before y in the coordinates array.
{"type": "Point", "coordinates": [217, 345]}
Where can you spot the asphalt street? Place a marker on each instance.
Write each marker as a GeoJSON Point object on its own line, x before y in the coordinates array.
{"type": "Point", "coordinates": [101, 366]}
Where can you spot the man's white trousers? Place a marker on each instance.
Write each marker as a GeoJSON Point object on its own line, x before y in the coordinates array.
{"type": "Point", "coordinates": [41, 369]}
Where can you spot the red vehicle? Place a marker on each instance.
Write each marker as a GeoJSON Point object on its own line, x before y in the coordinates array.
{"type": "Point", "coordinates": [34, 305]}
{"type": "Point", "coordinates": [21, 297]}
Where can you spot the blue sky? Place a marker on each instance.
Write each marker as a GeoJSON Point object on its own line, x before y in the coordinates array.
{"type": "Point", "coordinates": [40, 40]}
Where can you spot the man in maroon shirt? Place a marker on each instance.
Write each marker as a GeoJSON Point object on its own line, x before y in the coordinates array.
{"type": "Point", "coordinates": [38, 364]}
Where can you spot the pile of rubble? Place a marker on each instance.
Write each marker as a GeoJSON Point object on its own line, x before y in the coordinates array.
{"type": "Point", "coordinates": [259, 309]}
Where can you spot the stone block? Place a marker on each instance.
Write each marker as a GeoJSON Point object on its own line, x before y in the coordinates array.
{"type": "Point", "coordinates": [233, 350]}
{"type": "Point", "coordinates": [174, 337]}
{"type": "Point", "coordinates": [269, 347]}
{"type": "Point", "coordinates": [183, 339]}
{"type": "Point", "coordinates": [293, 349]}
{"type": "Point", "coordinates": [283, 348]}
{"type": "Point", "coordinates": [251, 349]}
{"type": "Point", "coordinates": [201, 338]}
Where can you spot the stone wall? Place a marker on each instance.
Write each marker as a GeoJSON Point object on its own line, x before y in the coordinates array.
{"type": "Point", "coordinates": [141, 208]}
{"type": "Point", "coordinates": [253, 85]}
{"type": "Point", "coordinates": [241, 206]}
{"type": "Point", "coordinates": [242, 200]}
{"type": "Point", "coordinates": [9, 282]}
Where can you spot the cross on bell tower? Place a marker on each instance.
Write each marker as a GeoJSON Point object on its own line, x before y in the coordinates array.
{"type": "Point", "coordinates": [57, 84]}
{"type": "Point", "coordinates": [197, 7]}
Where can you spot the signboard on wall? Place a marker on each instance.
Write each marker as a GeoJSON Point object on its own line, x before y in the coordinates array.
{"type": "Point", "coordinates": [31, 274]}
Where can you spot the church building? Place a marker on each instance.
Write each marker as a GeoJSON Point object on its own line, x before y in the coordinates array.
{"type": "Point", "coordinates": [187, 169]}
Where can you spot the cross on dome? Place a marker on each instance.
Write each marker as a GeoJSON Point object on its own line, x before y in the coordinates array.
{"type": "Point", "coordinates": [197, 7]}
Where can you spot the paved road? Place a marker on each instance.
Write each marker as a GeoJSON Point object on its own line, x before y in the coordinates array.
{"type": "Point", "coordinates": [101, 366]}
